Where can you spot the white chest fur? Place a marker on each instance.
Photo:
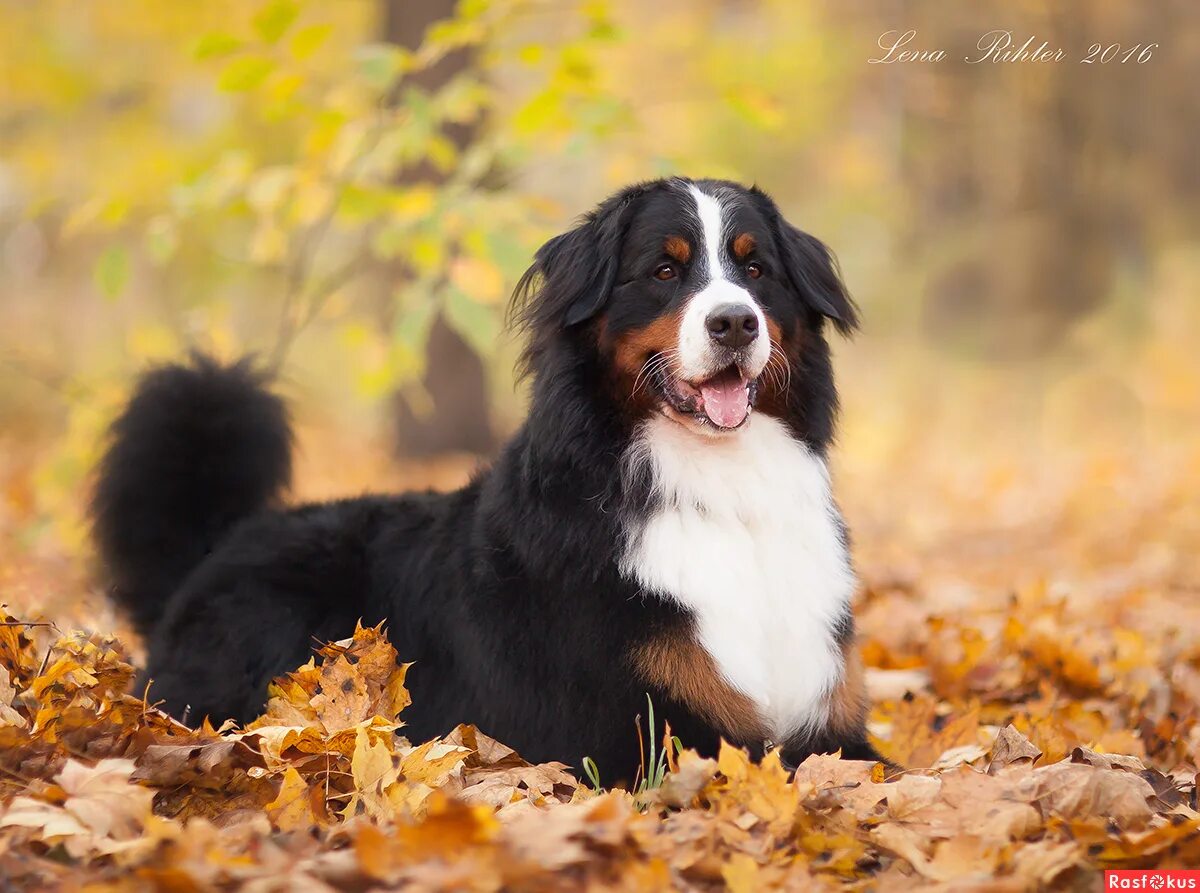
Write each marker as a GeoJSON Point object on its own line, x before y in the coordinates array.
{"type": "Point", "coordinates": [747, 537]}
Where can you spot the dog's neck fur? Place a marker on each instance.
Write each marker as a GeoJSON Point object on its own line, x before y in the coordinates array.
{"type": "Point", "coordinates": [744, 534]}
{"type": "Point", "coordinates": [740, 531]}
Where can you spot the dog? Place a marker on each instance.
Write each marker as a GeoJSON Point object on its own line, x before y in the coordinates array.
{"type": "Point", "coordinates": [662, 525]}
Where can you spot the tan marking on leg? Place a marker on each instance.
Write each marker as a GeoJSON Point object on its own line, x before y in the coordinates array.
{"type": "Point", "coordinates": [848, 701]}
{"type": "Point", "coordinates": [679, 665]}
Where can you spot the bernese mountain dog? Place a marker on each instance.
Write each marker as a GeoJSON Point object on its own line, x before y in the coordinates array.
{"type": "Point", "coordinates": [661, 524]}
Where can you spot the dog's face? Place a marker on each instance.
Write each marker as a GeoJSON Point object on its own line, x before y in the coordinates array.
{"type": "Point", "coordinates": [698, 297]}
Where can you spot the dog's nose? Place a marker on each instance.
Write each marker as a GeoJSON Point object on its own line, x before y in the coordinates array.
{"type": "Point", "coordinates": [732, 325]}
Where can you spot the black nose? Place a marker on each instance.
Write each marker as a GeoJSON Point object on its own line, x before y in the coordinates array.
{"type": "Point", "coordinates": [732, 325]}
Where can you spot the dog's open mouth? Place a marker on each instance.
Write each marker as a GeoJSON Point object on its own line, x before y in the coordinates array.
{"type": "Point", "coordinates": [723, 400]}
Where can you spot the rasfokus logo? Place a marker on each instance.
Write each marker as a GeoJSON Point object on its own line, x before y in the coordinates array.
{"type": "Point", "coordinates": [1141, 879]}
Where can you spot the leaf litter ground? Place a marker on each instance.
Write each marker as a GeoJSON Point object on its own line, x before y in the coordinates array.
{"type": "Point", "coordinates": [1034, 655]}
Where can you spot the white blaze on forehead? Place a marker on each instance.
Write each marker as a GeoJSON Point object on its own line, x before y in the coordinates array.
{"type": "Point", "coordinates": [697, 357]}
{"type": "Point", "coordinates": [712, 228]}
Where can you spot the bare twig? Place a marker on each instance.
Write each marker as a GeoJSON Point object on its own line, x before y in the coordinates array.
{"type": "Point", "coordinates": [46, 624]}
{"type": "Point", "coordinates": [308, 247]}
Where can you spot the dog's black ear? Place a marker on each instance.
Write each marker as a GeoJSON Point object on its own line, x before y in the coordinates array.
{"type": "Point", "coordinates": [573, 275]}
{"type": "Point", "coordinates": [579, 268]}
{"type": "Point", "coordinates": [813, 272]}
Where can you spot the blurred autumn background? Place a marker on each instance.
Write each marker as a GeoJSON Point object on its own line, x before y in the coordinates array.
{"type": "Point", "coordinates": [350, 190]}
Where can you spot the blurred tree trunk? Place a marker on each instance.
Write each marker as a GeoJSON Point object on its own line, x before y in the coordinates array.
{"type": "Point", "coordinates": [1022, 179]}
{"type": "Point", "coordinates": [1029, 193]}
{"type": "Point", "coordinates": [454, 378]}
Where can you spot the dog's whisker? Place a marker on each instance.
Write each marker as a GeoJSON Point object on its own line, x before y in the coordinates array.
{"type": "Point", "coordinates": [781, 368]}
{"type": "Point", "coordinates": [645, 371]}
{"type": "Point", "coordinates": [653, 365]}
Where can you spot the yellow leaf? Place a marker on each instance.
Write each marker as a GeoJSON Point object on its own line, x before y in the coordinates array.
{"type": "Point", "coordinates": [342, 701]}
{"type": "Point", "coordinates": [152, 342]}
{"type": "Point", "coordinates": [374, 770]}
{"type": "Point", "coordinates": [741, 874]}
{"type": "Point", "coordinates": [292, 810]}
{"type": "Point", "coordinates": [273, 19]}
{"type": "Point", "coordinates": [433, 762]}
{"type": "Point", "coordinates": [478, 278]}
{"type": "Point", "coordinates": [245, 73]}
{"type": "Point", "coordinates": [308, 40]}
{"type": "Point", "coordinates": [269, 244]}
{"type": "Point", "coordinates": [733, 762]}
{"type": "Point", "coordinates": [268, 187]}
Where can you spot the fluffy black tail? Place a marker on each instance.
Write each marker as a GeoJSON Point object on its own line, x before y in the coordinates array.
{"type": "Point", "coordinates": [198, 448]}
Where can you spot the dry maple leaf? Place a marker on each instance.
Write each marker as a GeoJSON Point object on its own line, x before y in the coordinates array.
{"type": "Point", "coordinates": [692, 775]}
{"type": "Point", "coordinates": [1011, 747]}
{"type": "Point", "coordinates": [354, 805]}
{"type": "Point", "coordinates": [293, 809]}
{"type": "Point", "coordinates": [486, 752]}
{"type": "Point", "coordinates": [1074, 790]}
{"type": "Point", "coordinates": [918, 737]}
{"type": "Point", "coordinates": [375, 769]}
{"type": "Point", "coordinates": [341, 701]}
{"type": "Point", "coordinates": [18, 652]}
{"type": "Point", "coordinates": [742, 874]}
{"type": "Point", "coordinates": [357, 680]}
{"type": "Point", "coordinates": [1089, 757]}
{"type": "Point", "coordinates": [90, 664]}
{"type": "Point", "coordinates": [98, 809]}
{"type": "Point", "coordinates": [570, 833]}
{"type": "Point", "coordinates": [8, 715]}
{"type": "Point", "coordinates": [395, 783]}
{"type": "Point", "coordinates": [909, 794]}
{"type": "Point", "coordinates": [214, 765]}
{"type": "Point", "coordinates": [1041, 862]}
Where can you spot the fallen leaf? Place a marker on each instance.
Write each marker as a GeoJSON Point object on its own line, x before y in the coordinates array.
{"type": "Point", "coordinates": [99, 810]}
{"type": "Point", "coordinates": [216, 765]}
{"type": "Point", "coordinates": [1073, 790]}
{"type": "Point", "coordinates": [1011, 747]}
{"type": "Point", "coordinates": [292, 810]}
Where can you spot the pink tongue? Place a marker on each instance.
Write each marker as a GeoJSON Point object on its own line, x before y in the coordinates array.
{"type": "Point", "coordinates": [726, 401]}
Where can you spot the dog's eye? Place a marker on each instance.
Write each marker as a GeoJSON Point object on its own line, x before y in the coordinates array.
{"type": "Point", "coordinates": [665, 272]}
{"type": "Point", "coordinates": [753, 270]}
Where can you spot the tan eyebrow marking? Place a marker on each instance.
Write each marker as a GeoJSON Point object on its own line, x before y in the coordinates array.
{"type": "Point", "coordinates": [678, 249]}
{"type": "Point", "coordinates": [743, 245]}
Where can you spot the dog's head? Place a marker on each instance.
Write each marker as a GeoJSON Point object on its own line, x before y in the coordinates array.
{"type": "Point", "coordinates": [694, 299]}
